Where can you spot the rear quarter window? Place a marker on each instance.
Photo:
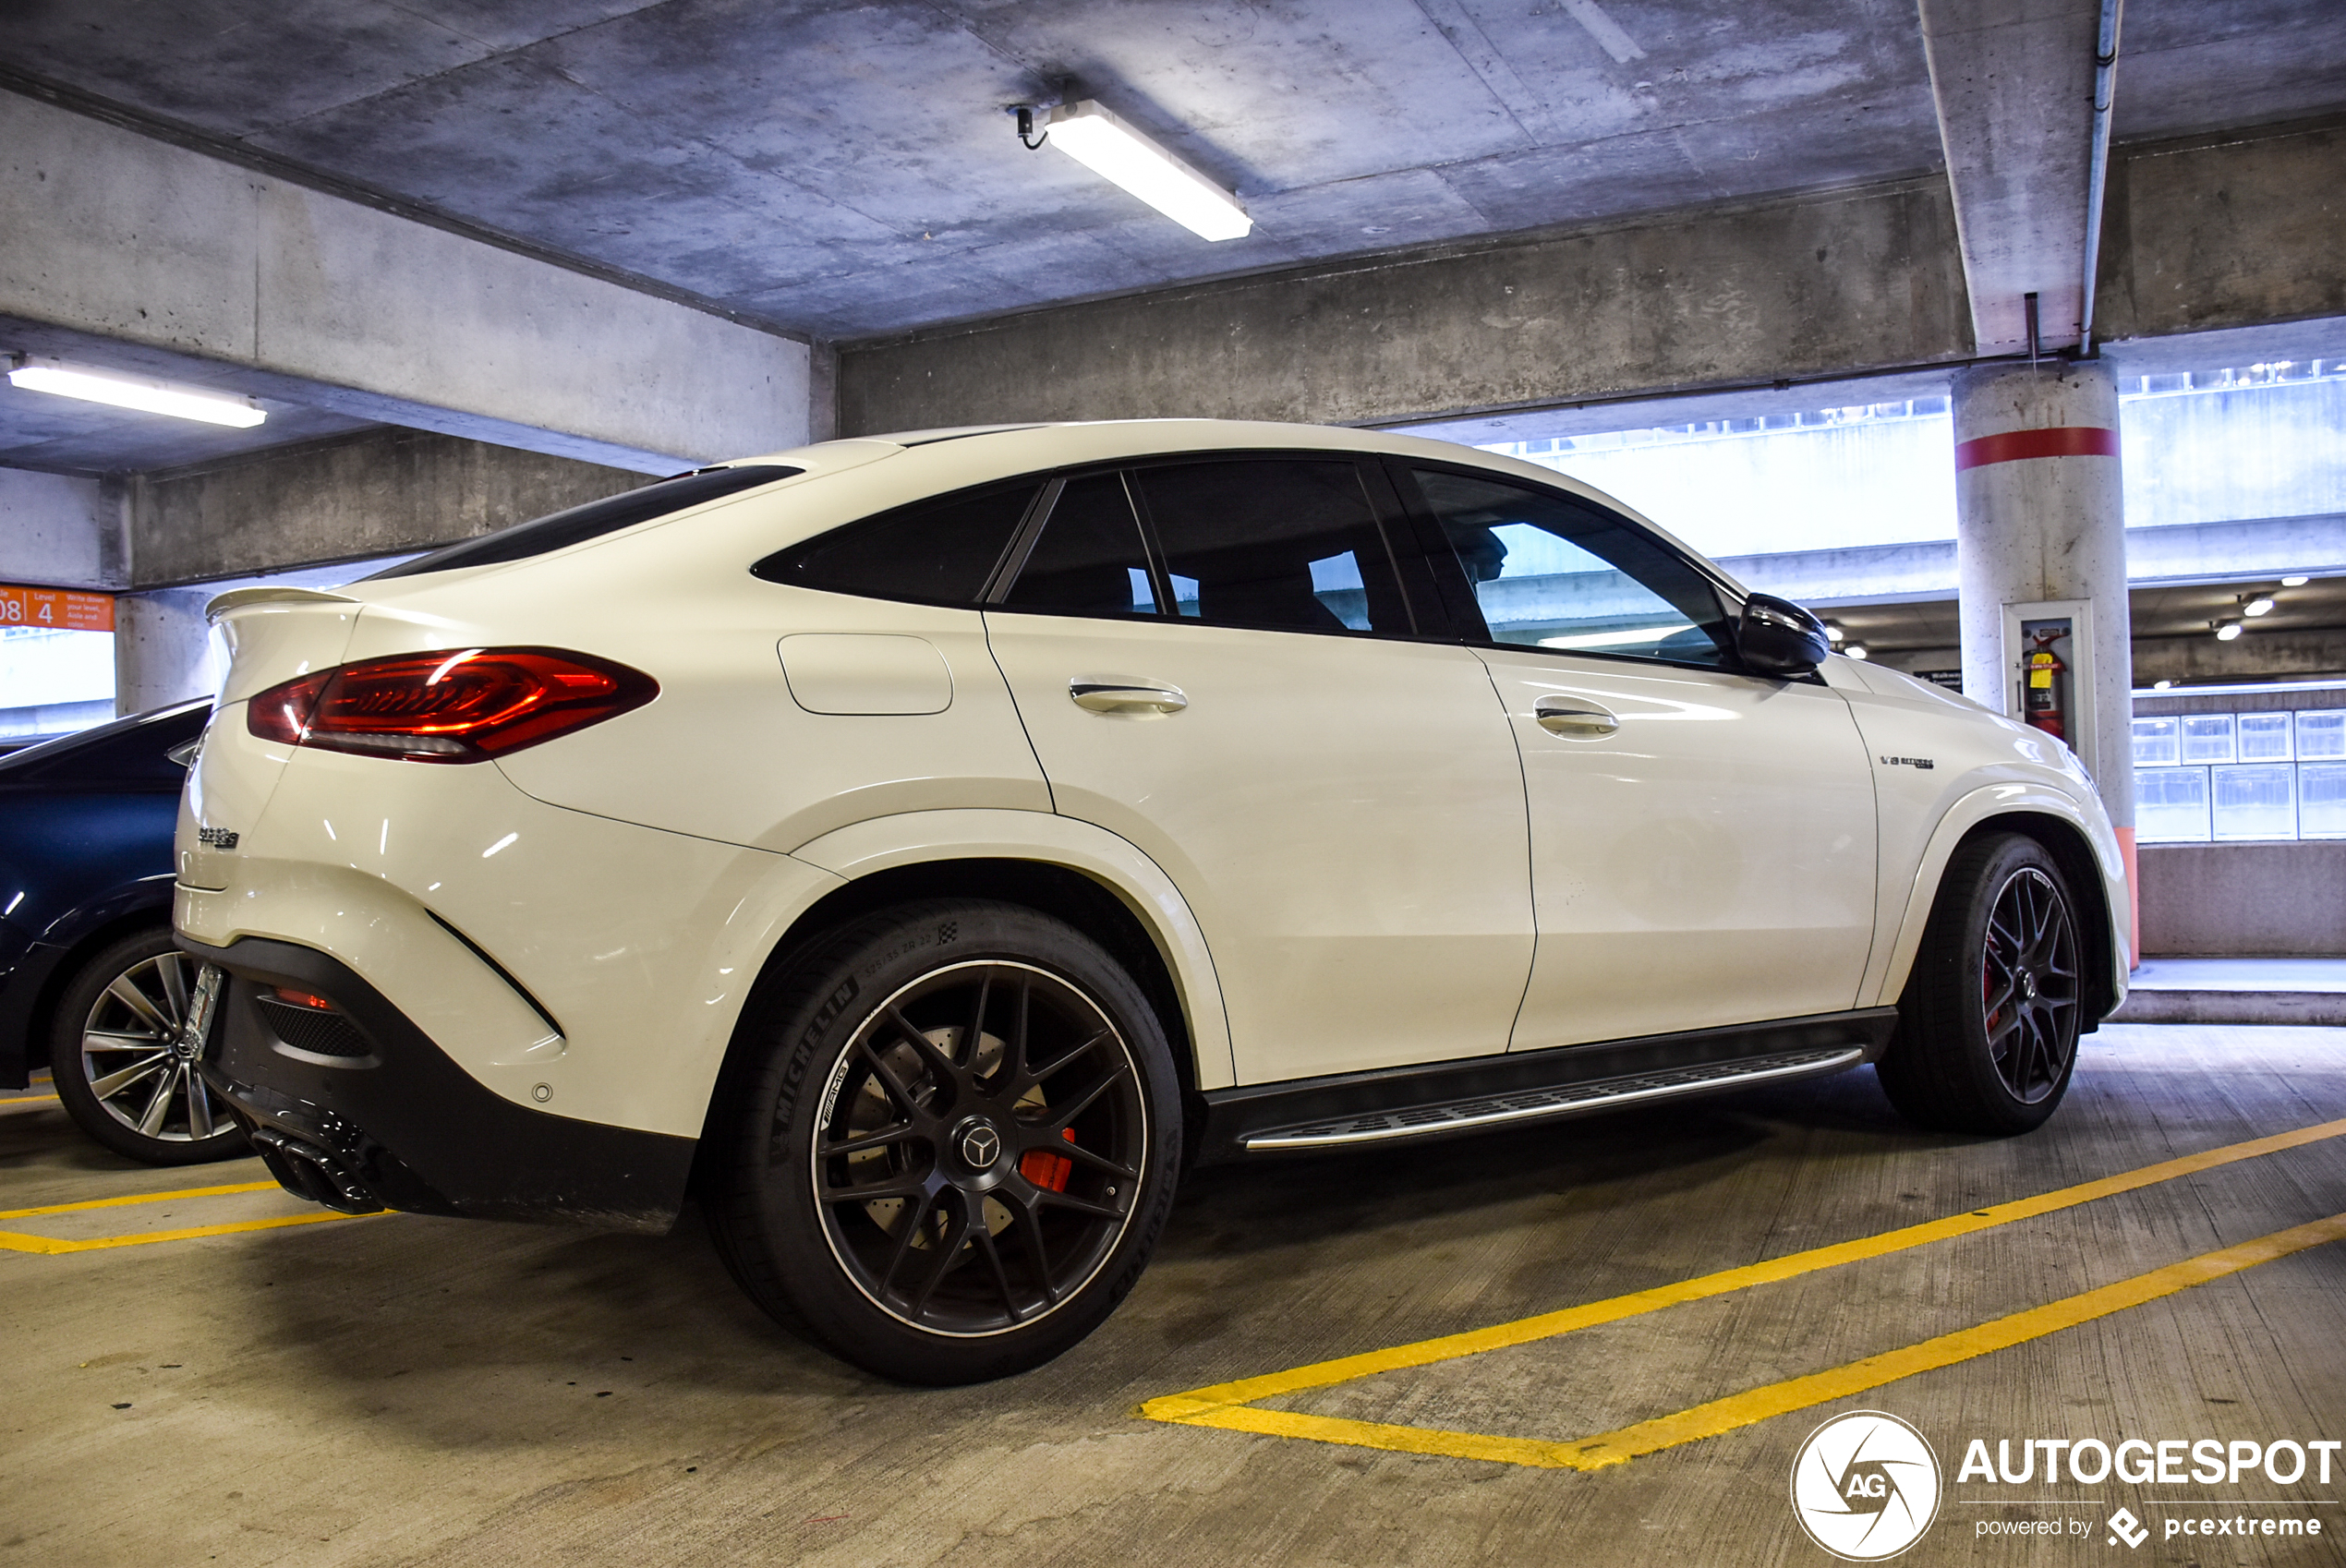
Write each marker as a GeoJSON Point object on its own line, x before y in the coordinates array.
{"type": "Point", "coordinates": [939, 551]}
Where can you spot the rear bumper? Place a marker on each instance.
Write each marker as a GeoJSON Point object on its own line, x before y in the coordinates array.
{"type": "Point", "coordinates": [386, 1120]}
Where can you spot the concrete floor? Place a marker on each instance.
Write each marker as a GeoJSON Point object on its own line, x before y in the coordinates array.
{"type": "Point", "coordinates": [401, 1390]}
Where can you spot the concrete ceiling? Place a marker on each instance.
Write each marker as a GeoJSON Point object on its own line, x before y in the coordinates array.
{"type": "Point", "coordinates": [844, 171]}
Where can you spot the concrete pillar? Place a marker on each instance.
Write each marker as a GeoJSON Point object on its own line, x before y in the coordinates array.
{"type": "Point", "coordinates": [2040, 521]}
{"type": "Point", "coordinates": [163, 649]}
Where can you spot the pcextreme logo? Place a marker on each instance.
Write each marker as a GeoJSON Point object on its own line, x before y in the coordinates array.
{"type": "Point", "coordinates": [1865, 1485]}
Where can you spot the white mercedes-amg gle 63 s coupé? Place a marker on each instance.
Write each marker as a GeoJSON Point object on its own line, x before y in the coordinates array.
{"type": "Point", "coordinates": [922, 848]}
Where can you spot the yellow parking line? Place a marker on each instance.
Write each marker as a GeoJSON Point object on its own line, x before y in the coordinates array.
{"type": "Point", "coordinates": [20, 1241]}
{"type": "Point", "coordinates": [16, 1241]}
{"type": "Point", "coordinates": [1799, 1393]}
{"type": "Point", "coordinates": [137, 1197]}
{"type": "Point", "coordinates": [1795, 1393]}
{"type": "Point", "coordinates": [1196, 1403]}
{"type": "Point", "coordinates": [11, 1101]}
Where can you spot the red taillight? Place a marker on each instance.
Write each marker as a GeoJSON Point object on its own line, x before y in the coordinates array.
{"type": "Point", "coordinates": [458, 704]}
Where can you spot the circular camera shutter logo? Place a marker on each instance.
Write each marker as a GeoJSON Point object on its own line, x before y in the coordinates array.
{"type": "Point", "coordinates": [1865, 1485]}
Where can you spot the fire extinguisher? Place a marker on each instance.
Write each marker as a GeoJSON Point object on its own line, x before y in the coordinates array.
{"type": "Point", "coordinates": [2042, 707]}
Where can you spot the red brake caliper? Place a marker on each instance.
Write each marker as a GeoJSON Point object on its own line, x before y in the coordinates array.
{"type": "Point", "coordinates": [1046, 1169]}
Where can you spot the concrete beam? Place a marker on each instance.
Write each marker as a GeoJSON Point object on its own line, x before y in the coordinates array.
{"type": "Point", "coordinates": [2215, 251]}
{"type": "Point", "coordinates": [2237, 552]}
{"type": "Point", "coordinates": [326, 302]}
{"type": "Point", "coordinates": [1835, 283]}
{"type": "Point", "coordinates": [2215, 233]}
{"type": "Point", "coordinates": [2013, 85]}
{"type": "Point", "coordinates": [2183, 552]}
{"type": "Point", "coordinates": [2268, 656]}
{"type": "Point", "coordinates": [377, 493]}
{"type": "Point", "coordinates": [59, 532]}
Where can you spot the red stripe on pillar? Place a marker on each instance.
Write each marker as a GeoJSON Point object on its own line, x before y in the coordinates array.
{"type": "Point", "coordinates": [2062, 441]}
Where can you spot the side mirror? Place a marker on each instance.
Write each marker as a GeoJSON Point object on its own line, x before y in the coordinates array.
{"type": "Point", "coordinates": [1777, 637]}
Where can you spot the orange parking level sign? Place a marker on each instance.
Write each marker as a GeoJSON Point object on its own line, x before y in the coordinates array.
{"type": "Point", "coordinates": [55, 610]}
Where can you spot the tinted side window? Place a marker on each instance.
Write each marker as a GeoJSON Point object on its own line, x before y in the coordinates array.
{"type": "Point", "coordinates": [1554, 571]}
{"type": "Point", "coordinates": [591, 521]}
{"type": "Point", "coordinates": [935, 551]}
{"type": "Point", "coordinates": [1089, 559]}
{"type": "Point", "coordinates": [1286, 543]}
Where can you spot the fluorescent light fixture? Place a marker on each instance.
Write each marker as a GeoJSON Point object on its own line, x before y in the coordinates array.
{"type": "Point", "coordinates": [136, 392]}
{"type": "Point", "coordinates": [1854, 650]}
{"type": "Point", "coordinates": [2294, 581]}
{"type": "Point", "coordinates": [2262, 604]}
{"type": "Point", "coordinates": [2226, 630]}
{"type": "Point", "coordinates": [1833, 633]}
{"type": "Point", "coordinates": [2161, 685]}
{"type": "Point", "coordinates": [1115, 151]}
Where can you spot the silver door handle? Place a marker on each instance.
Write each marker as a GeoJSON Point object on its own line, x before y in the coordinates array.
{"type": "Point", "coordinates": [1119, 697]}
{"type": "Point", "coordinates": [1573, 716]}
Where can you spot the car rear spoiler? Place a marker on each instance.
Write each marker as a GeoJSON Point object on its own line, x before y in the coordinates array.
{"type": "Point", "coordinates": [238, 598]}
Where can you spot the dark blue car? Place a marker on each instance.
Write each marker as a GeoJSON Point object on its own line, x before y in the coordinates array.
{"type": "Point", "coordinates": [90, 980]}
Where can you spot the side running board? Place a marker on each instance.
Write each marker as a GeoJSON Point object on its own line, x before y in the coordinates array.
{"type": "Point", "coordinates": [1465, 1094]}
{"type": "Point", "coordinates": [1460, 1116]}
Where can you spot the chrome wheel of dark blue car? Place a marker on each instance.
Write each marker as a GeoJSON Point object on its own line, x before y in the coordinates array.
{"type": "Point", "coordinates": [127, 1053]}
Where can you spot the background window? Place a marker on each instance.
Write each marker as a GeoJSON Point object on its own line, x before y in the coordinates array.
{"type": "Point", "coordinates": [2262, 795]}
{"type": "Point", "coordinates": [938, 551]}
{"type": "Point", "coordinates": [1556, 572]}
{"type": "Point", "coordinates": [1089, 559]}
{"type": "Point", "coordinates": [2207, 737]}
{"type": "Point", "coordinates": [53, 681]}
{"type": "Point", "coordinates": [1285, 543]}
{"type": "Point", "coordinates": [2321, 799]}
{"type": "Point", "coordinates": [2171, 805]}
{"type": "Point", "coordinates": [2321, 735]}
{"type": "Point", "coordinates": [2156, 742]}
{"type": "Point", "coordinates": [2254, 800]}
{"type": "Point", "coordinates": [2263, 737]}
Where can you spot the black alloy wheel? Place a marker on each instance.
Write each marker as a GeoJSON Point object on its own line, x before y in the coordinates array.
{"type": "Point", "coordinates": [983, 1148]}
{"type": "Point", "coordinates": [127, 1050]}
{"type": "Point", "coordinates": [955, 1132]}
{"type": "Point", "coordinates": [1988, 1028]}
{"type": "Point", "coordinates": [2029, 985]}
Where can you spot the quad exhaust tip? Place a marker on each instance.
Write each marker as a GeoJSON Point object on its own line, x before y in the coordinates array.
{"type": "Point", "coordinates": [307, 1171]}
